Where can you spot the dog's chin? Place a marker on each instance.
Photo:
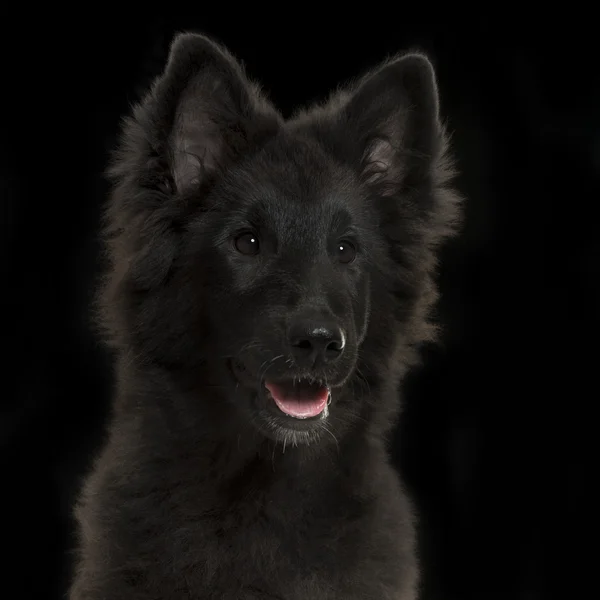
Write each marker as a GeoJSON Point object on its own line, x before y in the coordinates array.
{"type": "Point", "coordinates": [292, 410]}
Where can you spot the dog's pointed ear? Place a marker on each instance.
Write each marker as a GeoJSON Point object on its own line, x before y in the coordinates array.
{"type": "Point", "coordinates": [393, 119]}
{"type": "Point", "coordinates": [202, 113]}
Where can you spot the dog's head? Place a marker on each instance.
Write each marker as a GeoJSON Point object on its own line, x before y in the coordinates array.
{"type": "Point", "coordinates": [283, 267]}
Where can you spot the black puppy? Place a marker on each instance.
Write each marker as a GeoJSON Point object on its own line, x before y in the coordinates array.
{"type": "Point", "coordinates": [269, 285]}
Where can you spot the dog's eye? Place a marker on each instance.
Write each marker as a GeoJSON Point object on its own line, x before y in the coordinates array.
{"type": "Point", "coordinates": [345, 252]}
{"type": "Point", "coordinates": [247, 243]}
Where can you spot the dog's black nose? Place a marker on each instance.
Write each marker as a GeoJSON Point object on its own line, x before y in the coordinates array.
{"type": "Point", "coordinates": [314, 341]}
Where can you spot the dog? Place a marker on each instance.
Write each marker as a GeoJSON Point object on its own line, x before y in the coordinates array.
{"type": "Point", "coordinates": [269, 283]}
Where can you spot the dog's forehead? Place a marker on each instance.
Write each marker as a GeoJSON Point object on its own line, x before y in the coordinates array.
{"type": "Point", "coordinates": [294, 185]}
{"type": "Point", "coordinates": [302, 212]}
{"type": "Point", "coordinates": [312, 215]}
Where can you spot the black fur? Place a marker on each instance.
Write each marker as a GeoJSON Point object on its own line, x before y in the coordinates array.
{"type": "Point", "coordinates": [202, 491]}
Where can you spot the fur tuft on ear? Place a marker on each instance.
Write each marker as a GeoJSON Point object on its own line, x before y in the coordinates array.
{"type": "Point", "coordinates": [394, 115]}
{"type": "Point", "coordinates": [218, 112]}
{"type": "Point", "coordinates": [200, 115]}
{"type": "Point", "coordinates": [386, 125]}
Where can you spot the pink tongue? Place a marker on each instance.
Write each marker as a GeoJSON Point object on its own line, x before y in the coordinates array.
{"type": "Point", "coordinates": [299, 403]}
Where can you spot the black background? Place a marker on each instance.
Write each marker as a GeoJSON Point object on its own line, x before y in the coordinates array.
{"type": "Point", "coordinates": [498, 427]}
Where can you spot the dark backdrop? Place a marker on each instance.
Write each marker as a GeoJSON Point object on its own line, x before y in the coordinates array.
{"type": "Point", "coordinates": [498, 423]}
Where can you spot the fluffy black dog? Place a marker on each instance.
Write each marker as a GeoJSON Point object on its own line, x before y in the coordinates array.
{"type": "Point", "coordinates": [269, 285]}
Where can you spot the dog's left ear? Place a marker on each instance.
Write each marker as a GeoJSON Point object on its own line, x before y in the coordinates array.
{"type": "Point", "coordinates": [393, 119]}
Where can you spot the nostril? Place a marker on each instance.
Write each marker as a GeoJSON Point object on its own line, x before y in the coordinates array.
{"type": "Point", "coordinates": [302, 344]}
{"type": "Point", "coordinates": [335, 346]}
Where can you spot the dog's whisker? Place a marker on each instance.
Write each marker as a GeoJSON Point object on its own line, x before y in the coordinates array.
{"type": "Point", "coordinates": [325, 428]}
{"type": "Point", "coordinates": [269, 364]}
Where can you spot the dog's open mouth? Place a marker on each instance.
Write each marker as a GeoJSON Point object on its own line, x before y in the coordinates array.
{"type": "Point", "coordinates": [300, 399]}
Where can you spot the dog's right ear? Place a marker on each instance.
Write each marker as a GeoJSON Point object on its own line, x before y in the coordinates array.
{"type": "Point", "coordinates": [200, 115]}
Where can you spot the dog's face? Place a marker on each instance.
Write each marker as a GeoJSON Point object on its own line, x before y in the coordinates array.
{"type": "Point", "coordinates": [290, 247]}
{"type": "Point", "coordinates": [276, 264]}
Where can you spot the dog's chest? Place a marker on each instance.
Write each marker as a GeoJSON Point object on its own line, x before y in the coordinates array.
{"type": "Point", "coordinates": [267, 538]}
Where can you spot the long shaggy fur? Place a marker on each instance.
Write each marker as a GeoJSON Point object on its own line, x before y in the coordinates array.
{"type": "Point", "coordinates": [198, 494]}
